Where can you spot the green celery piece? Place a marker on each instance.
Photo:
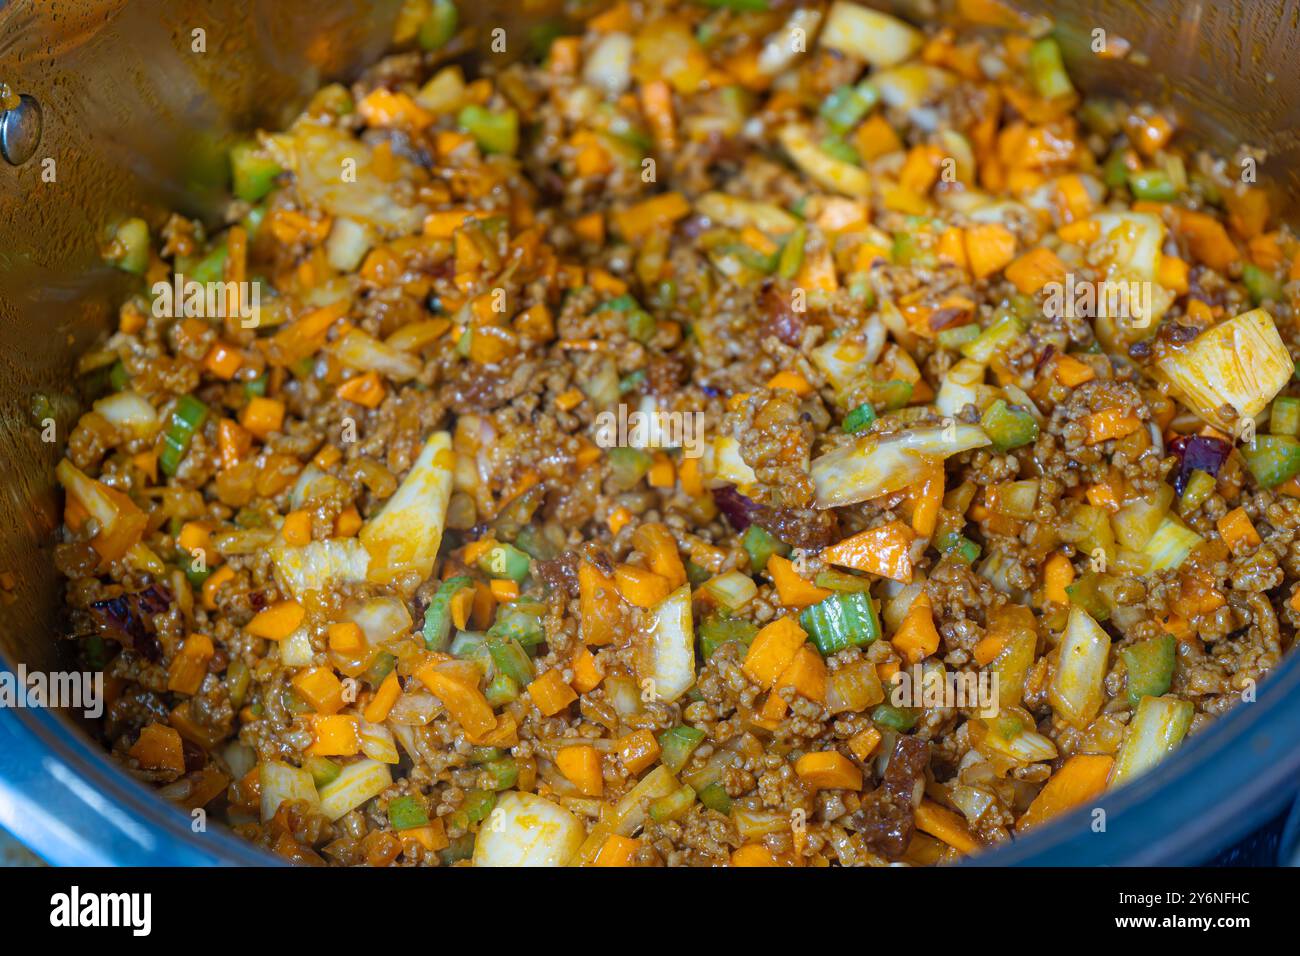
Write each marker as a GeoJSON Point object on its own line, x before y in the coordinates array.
{"type": "Point", "coordinates": [1272, 459]}
{"type": "Point", "coordinates": [252, 171]}
{"type": "Point", "coordinates": [504, 561]}
{"type": "Point", "coordinates": [186, 418]}
{"type": "Point", "coordinates": [719, 628]}
{"type": "Point", "coordinates": [502, 774]}
{"type": "Point", "coordinates": [845, 619]}
{"type": "Point", "coordinates": [323, 770]}
{"type": "Point", "coordinates": [439, 26]}
{"type": "Point", "coordinates": [475, 809]}
{"type": "Point", "coordinates": [1085, 593]}
{"type": "Point", "coordinates": [1008, 427]}
{"type": "Point", "coordinates": [844, 107]}
{"type": "Point", "coordinates": [495, 132]}
{"type": "Point", "coordinates": [627, 466]}
{"type": "Point", "coordinates": [715, 797]}
{"type": "Point", "coordinates": [1261, 284]}
{"type": "Point", "coordinates": [501, 690]}
{"type": "Point", "coordinates": [381, 665]}
{"type": "Point", "coordinates": [1048, 70]}
{"type": "Point", "coordinates": [1152, 185]}
{"type": "Point", "coordinates": [672, 806]}
{"type": "Point", "coordinates": [521, 620]}
{"type": "Point", "coordinates": [407, 813]}
{"type": "Point", "coordinates": [509, 658]}
{"type": "Point", "coordinates": [790, 259]}
{"type": "Point", "coordinates": [1200, 486]}
{"type": "Point", "coordinates": [954, 337]}
{"type": "Point", "coordinates": [677, 744]}
{"type": "Point", "coordinates": [901, 719]}
{"type": "Point", "coordinates": [859, 419]}
{"type": "Point", "coordinates": [835, 580]}
{"type": "Point", "coordinates": [437, 618]}
{"type": "Point", "coordinates": [1284, 419]}
{"type": "Point", "coordinates": [130, 248]}
{"type": "Point", "coordinates": [836, 148]}
{"type": "Point", "coordinates": [761, 544]}
{"type": "Point", "coordinates": [1150, 666]}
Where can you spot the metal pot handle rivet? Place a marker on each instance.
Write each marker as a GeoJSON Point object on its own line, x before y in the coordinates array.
{"type": "Point", "coordinates": [20, 130]}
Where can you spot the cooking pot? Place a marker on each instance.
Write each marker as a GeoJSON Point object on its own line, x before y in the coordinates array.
{"type": "Point", "coordinates": [129, 108]}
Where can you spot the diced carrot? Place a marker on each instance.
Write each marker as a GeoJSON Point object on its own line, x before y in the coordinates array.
{"type": "Point", "coordinates": [1173, 273]}
{"type": "Point", "coordinates": [916, 637]}
{"type": "Point", "coordinates": [569, 400]}
{"type": "Point", "coordinates": [195, 536]}
{"type": "Point", "coordinates": [640, 586]}
{"type": "Point", "coordinates": [262, 416]}
{"type": "Point", "coordinates": [1208, 240]}
{"type": "Point", "coordinates": [1080, 233]}
{"type": "Point", "coordinates": [989, 248]}
{"type": "Point", "coordinates": [828, 770]}
{"type": "Point", "coordinates": [927, 498]}
{"type": "Point", "coordinates": [875, 138]}
{"type": "Point", "coordinates": [1103, 494]}
{"type": "Point", "coordinates": [952, 247]}
{"type": "Point", "coordinates": [662, 473]}
{"type": "Point", "coordinates": [348, 522]}
{"type": "Point", "coordinates": [278, 621]}
{"type": "Point", "coordinates": [581, 766]}
{"type": "Point", "coordinates": [159, 747]}
{"type": "Point", "coordinates": [884, 550]}
{"type": "Point", "coordinates": [463, 700]}
{"type": "Point", "coordinates": [550, 693]}
{"type": "Point", "coordinates": [1080, 779]}
{"type": "Point", "coordinates": [1070, 372]}
{"type": "Point", "coordinates": [920, 169]}
{"type": "Point", "coordinates": [586, 675]}
{"type": "Point", "coordinates": [1035, 269]}
{"type": "Point", "coordinates": [656, 542]}
{"type": "Point", "coordinates": [462, 604]}
{"type": "Point", "coordinates": [772, 651]}
{"type": "Point", "coordinates": [366, 390]}
{"type": "Point", "coordinates": [189, 667]}
{"type": "Point", "coordinates": [793, 590]}
{"type": "Point", "coordinates": [638, 750]}
{"type": "Point", "coordinates": [1248, 211]}
{"type": "Point", "coordinates": [319, 687]}
{"type": "Point", "coordinates": [296, 529]}
{"type": "Point", "coordinates": [1110, 423]}
{"type": "Point", "coordinates": [383, 107]}
{"type": "Point", "coordinates": [806, 674]}
{"type": "Point", "coordinates": [1235, 528]}
{"type": "Point", "coordinates": [1058, 574]}
{"type": "Point", "coordinates": [432, 836]}
{"type": "Point", "coordinates": [346, 637]}
{"type": "Point", "coordinates": [590, 227]}
{"type": "Point", "coordinates": [598, 605]}
{"type": "Point", "coordinates": [948, 826]}
{"type": "Point", "coordinates": [223, 360]}
{"type": "Point", "coordinates": [657, 107]}
{"type": "Point", "coordinates": [752, 854]}
{"type": "Point", "coordinates": [618, 519]}
{"type": "Point", "coordinates": [772, 712]}
{"type": "Point", "coordinates": [792, 381]}
{"type": "Point", "coordinates": [335, 735]}
{"type": "Point", "coordinates": [390, 688]}
{"type": "Point", "coordinates": [988, 648]}
{"type": "Point", "coordinates": [640, 219]}
{"type": "Point", "coordinates": [616, 851]}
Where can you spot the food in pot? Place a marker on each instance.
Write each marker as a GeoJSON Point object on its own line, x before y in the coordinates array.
{"type": "Point", "coordinates": [737, 433]}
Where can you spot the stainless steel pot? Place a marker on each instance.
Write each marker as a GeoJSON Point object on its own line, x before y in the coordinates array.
{"type": "Point", "coordinates": [133, 104]}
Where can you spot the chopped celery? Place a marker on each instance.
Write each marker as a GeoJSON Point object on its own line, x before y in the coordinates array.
{"type": "Point", "coordinates": [1261, 284]}
{"type": "Point", "coordinates": [715, 797]}
{"type": "Point", "coordinates": [1009, 427]}
{"type": "Point", "coordinates": [494, 131]}
{"type": "Point", "coordinates": [845, 619]}
{"type": "Point", "coordinates": [627, 466]}
{"type": "Point", "coordinates": [719, 628]}
{"type": "Point", "coordinates": [1048, 70]}
{"type": "Point", "coordinates": [901, 719]}
{"type": "Point", "coordinates": [956, 336]}
{"type": "Point", "coordinates": [836, 148]}
{"type": "Point", "coordinates": [439, 26]}
{"type": "Point", "coordinates": [407, 813]}
{"type": "Point", "coordinates": [437, 618]}
{"type": "Point", "coordinates": [859, 419]}
{"type": "Point", "coordinates": [504, 561]}
{"type": "Point", "coordinates": [469, 645]}
{"type": "Point", "coordinates": [1171, 544]}
{"type": "Point", "coordinates": [1150, 666]}
{"type": "Point", "coordinates": [1272, 459]}
{"type": "Point", "coordinates": [1004, 330]}
{"type": "Point", "coordinates": [501, 690]}
{"type": "Point", "coordinates": [672, 806]}
{"type": "Point", "coordinates": [460, 848]}
{"type": "Point", "coordinates": [1200, 486]}
{"type": "Point", "coordinates": [252, 171]}
{"type": "Point", "coordinates": [845, 106]}
{"type": "Point", "coordinates": [256, 386]}
{"type": "Point", "coordinates": [790, 260]}
{"type": "Point", "coordinates": [129, 250]}
{"type": "Point", "coordinates": [959, 546]}
{"type": "Point", "coordinates": [521, 620]}
{"type": "Point", "coordinates": [1152, 185]}
{"type": "Point", "coordinates": [676, 746]}
{"type": "Point", "coordinates": [509, 658]}
{"type": "Point", "coordinates": [502, 774]}
{"type": "Point", "coordinates": [1284, 419]}
{"type": "Point", "coordinates": [835, 580]}
{"type": "Point", "coordinates": [1157, 727]}
{"type": "Point", "coordinates": [118, 378]}
{"type": "Point", "coordinates": [641, 325]}
{"type": "Point", "coordinates": [381, 665]}
{"type": "Point", "coordinates": [891, 395]}
{"type": "Point", "coordinates": [323, 770]}
{"type": "Point", "coordinates": [194, 575]}
{"type": "Point", "coordinates": [1085, 593]}
{"type": "Point", "coordinates": [475, 809]}
{"type": "Point", "coordinates": [761, 545]}
{"type": "Point", "coordinates": [187, 417]}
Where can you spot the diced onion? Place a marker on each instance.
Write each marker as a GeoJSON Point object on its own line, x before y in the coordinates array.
{"type": "Point", "coordinates": [1076, 690]}
{"type": "Point", "coordinates": [527, 830]}
{"type": "Point", "coordinates": [666, 653]}
{"type": "Point", "coordinates": [877, 38]}
{"type": "Point", "coordinates": [876, 465]}
{"type": "Point", "coordinates": [278, 782]}
{"type": "Point", "coordinates": [358, 782]}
